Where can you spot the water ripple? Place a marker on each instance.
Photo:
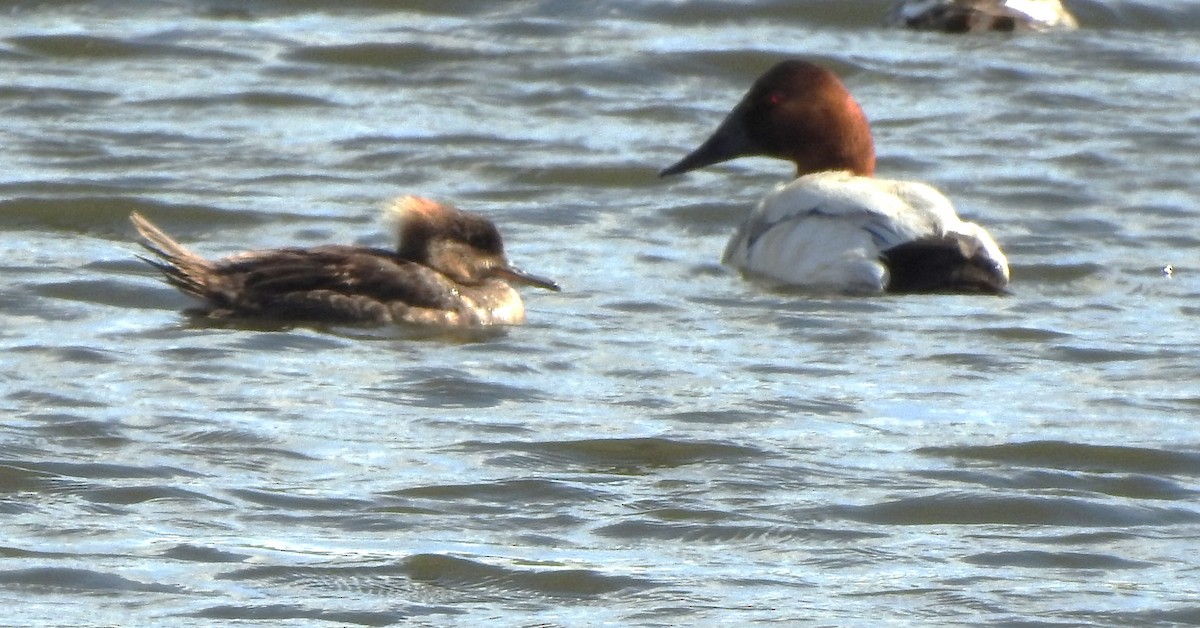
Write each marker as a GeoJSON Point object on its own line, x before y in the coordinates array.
{"type": "Point", "coordinates": [453, 576]}
{"type": "Point", "coordinates": [1078, 456]}
{"type": "Point", "coordinates": [82, 580]}
{"type": "Point", "coordinates": [70, 46]}
{"type": "Point", "coordinates": [285, 612]}
{"type": "Point", "coordinates": [630, 455]}
{"type": "Point", "coordinates": [980, 509]}
{"type": "Point", "coordinates": [1054, 560]}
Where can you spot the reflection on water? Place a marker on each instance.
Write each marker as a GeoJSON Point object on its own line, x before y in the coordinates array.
{"type": "Point", "coordinates": [664, 441]}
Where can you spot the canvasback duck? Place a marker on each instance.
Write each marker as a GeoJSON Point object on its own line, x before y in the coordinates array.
{"type": "Point", "coordinates": [836, 226]}
{"type": "Point", "coordinates": [971, 16]}
{"type": "Point", "coordinates": [449, 269]}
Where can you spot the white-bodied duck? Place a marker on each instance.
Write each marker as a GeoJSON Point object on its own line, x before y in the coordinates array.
{"type": "Point", "coordinates": [836, 226]}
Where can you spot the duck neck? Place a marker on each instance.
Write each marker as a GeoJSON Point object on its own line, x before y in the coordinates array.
{"type": "Point", "coordinates": [842, 141]}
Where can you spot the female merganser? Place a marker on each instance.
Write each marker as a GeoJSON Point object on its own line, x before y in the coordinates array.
{"type": "Point", "coordinates": [449, 269]}
{"type": "Point", "coordinates": [836, 226]}
{"type": "Point", "coordinates": [969, 16]}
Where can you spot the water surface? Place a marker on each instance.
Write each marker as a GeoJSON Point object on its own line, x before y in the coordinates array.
{"type": "Point", "coordinates": [665, 442]}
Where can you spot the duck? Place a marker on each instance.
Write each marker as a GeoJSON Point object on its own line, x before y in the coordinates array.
{"type": "Point", "coordinates": [836, 226]}
{"type": "Point", "coordinates": [972, 16]}
{"type": "Point", "coordinates": [448, 270]}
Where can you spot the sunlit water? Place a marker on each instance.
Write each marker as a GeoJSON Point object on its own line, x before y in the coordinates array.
{"type": "Point", "coordinates": [665, 442]}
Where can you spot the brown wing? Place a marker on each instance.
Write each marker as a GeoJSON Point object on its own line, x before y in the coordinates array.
{"type": "Point", "coordinates": [345, 283]}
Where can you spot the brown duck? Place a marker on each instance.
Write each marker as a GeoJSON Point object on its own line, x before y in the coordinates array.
{"type": "Point", "coordinates": [449, 269]}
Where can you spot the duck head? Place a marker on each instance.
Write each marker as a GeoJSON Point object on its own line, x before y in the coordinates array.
{"type": "Point", "coordinates": [465, 247]}
{"type": "Point", "coordinates": [796, 111]}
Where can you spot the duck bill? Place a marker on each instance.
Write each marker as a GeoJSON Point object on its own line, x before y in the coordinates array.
{"type": "Point", "coordinates": [517, 275]}
{"type": "Point", "coordinates": [729, 141]}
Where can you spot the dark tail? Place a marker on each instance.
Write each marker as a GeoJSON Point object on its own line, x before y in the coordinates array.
{"type": "Point", "coordinates": [940, 264]}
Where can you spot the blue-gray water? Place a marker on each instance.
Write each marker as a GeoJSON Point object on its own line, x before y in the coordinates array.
{"type": "Point", "coordinates": [664, 443]}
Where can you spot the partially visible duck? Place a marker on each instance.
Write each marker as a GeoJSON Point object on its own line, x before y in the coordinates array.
{"type": "Point", "coordinates": [836, 226]}
{"type": "Point", "coordinates": [968, 16]}
{"type": "Point", "coordinates": [449, 270]}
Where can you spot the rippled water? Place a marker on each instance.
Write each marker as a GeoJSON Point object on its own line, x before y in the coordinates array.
{"type": "Point", "coordinates": [665, 442]}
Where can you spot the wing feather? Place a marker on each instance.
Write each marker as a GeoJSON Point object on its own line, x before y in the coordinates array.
{"type": "Point", "coordinates": [354, 272]}
{"type": "Point", "coordinates": [831, 229]}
